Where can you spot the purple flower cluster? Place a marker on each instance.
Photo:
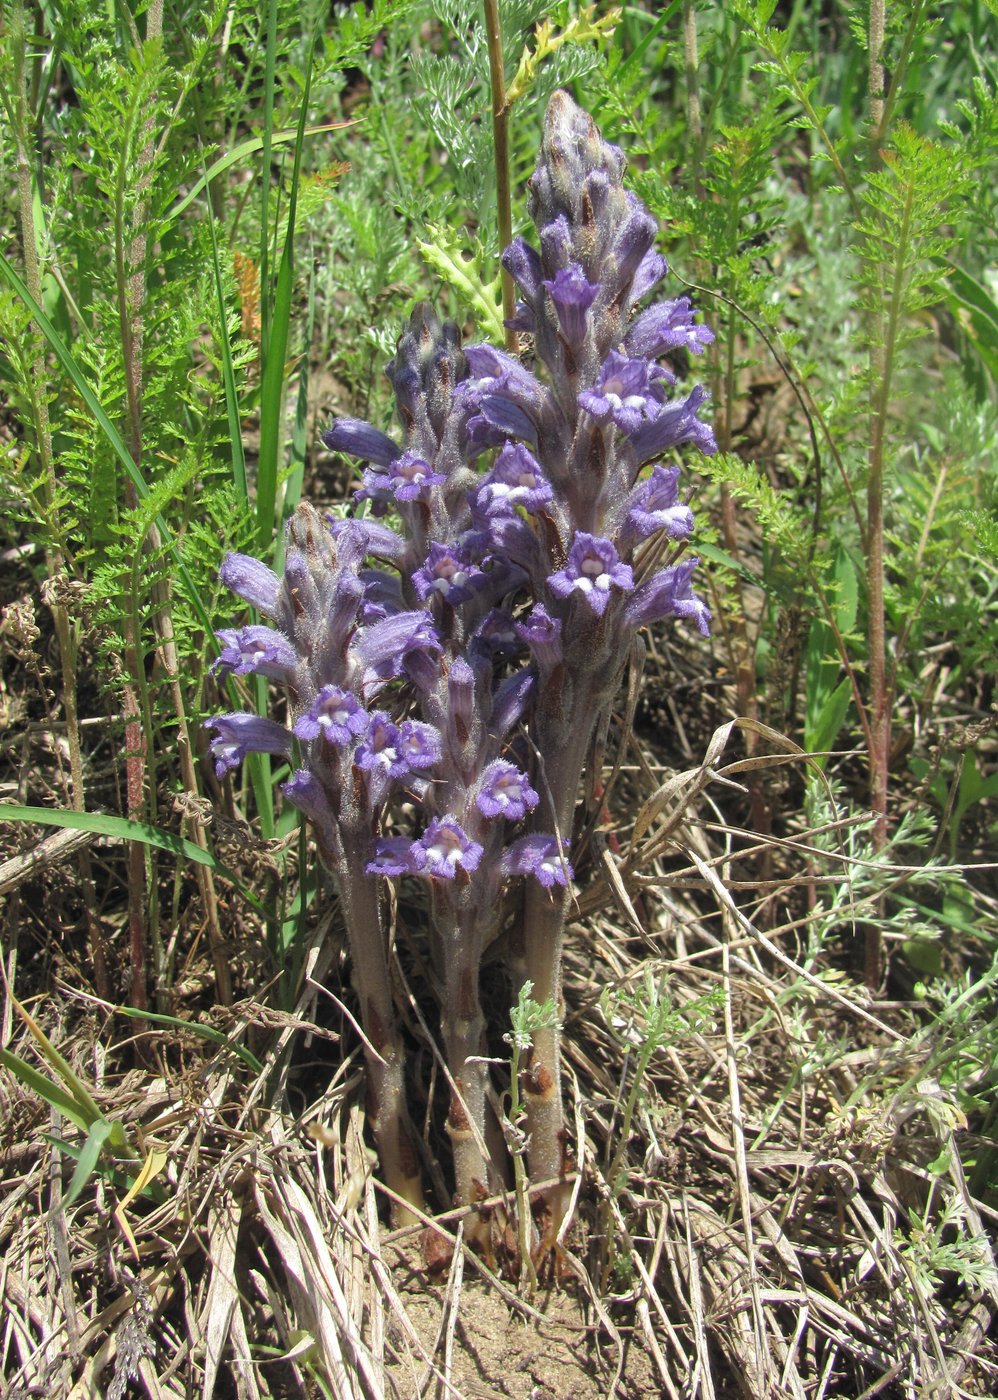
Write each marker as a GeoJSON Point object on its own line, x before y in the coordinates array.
{"type": "Point", "coordinates": [487, 598]}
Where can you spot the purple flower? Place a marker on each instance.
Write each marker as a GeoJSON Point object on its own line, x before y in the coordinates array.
{"type": "Point", "coordinates": [377, 539]}
{"type": "Point", "coordinates": [669, 594]}
{"type": "Point", "coordinates": [359, 439]}
{"type": "Point", "coordinates": [537, 855]}
{"type": "Point", "coordinates": [497, 634]}
{"type": "Point", "coordinates": [411, 476]}
{"type": "Point", "coordinates": [628, 390]}
{"type": "Point", "coordinates": [523, 264]}
{"type": "Point", "coordinates": [515, 480]}
{"type": "Point", "coordinates": [675, 424]}
{"type": "Point", "coordinates": [655, 506]}
{"type": "Point", "coordinates": [239, 733]}
{"type": "Point", "coordinates": [304, 791]}
{"type": "Point", "coordinates": [572, 294]}
{"type": "Point", "coordinates": [258, 651]}
{"type": "Point", "coordinates": [334, 715]}
{"type": "Point", "coordinates": [381, 750]}
{"type": "Point", "coordinates": [403, 642]}
{"type": "Point", "coordinates": [419, 744]}
{"type": "Point", "coordinates": [593, 568]}
{"type": "Point", "coordinates": [511, 701]}
{"type": "Point", "coordinates": [556, 244]}
{"type": "Point", "coordinates": [494, 371]}
{"type": "Point", "coordinates": [502, 392]}
{"type": "Point", "coordinates": [668, 325]}
{"type": "Point", "coordinates": [449, 572]}
{"type": "Point", "coordinates": [447, 847]}
{"type": "Point", "coordinates": [497, 416]}
{"type": "Point", "coordinates": [396, 855]}
{"type": "Point", "coordinates": [651, 269]}
{"type": "Point", "coordinates": [542, 633]}
{"type": "Point", "coordinates": [251, 581]}
{"type": "Point", "coordinates": [505, 792]}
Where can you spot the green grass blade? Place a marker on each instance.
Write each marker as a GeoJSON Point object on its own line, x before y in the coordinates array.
{"type": "Point", "coordinates": [47, 1089]}
{"type": "Point", "coordinates": [87, 1161]}
{"type": "Point", "coordinates": [266, 144]}
{"type": "Point", "coordinates": [237, 455]}
{"type": "Point", "coordinates": [242, 152]}
{"type": "Point", "coordinates": [156, 1018]}
{"type": "Point", "coordinates": [272, 379]}
{"type": "Point", "coordinates": [103, 824]}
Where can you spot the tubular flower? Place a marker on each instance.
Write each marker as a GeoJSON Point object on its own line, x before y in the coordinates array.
{"type": "Point", "coordinates": [593, 568]}
{"type": "Point", "coordinates": [505, 792]}
{"type": "Point", "coordinates": [238, 734]}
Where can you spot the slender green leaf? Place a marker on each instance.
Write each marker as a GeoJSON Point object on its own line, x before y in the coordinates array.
{"type": "Point", "coordinates": [87, 1161]}
{"type": "Point", "coordinates": [156, 1018]}
{"type": "Point", "coordinates": [242, 152]}
{"type": "Point", "coordinates": [236, 453]}
{"type": "Point", "coordinates": [269, 69]}
{"type": "Point", "coordinates": [272, 381]}
{"type": "Point", "coordinates": [820, 735]}
{"type": "Point", "coordinates": [103, 824]}
{"type": "Point", "coordinates": [48, 1090]}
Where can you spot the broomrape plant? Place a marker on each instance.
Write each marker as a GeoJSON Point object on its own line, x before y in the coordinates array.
{"type": "Point", "coordinates": [457, 663]}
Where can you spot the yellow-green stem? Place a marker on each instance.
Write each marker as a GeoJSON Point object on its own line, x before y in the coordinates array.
{"type": "Point", "coordinates": [500, 135]}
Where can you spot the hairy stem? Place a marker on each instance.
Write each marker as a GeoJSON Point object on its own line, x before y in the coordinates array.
{"type": "Point", "coordinates": [459, 924]}
{"type": "Point", "coordinates": [537, 951]}
{"type": "Point", "coordinates": [383, 1052]}
{"type": "Point", "coordinates": [691, 69]}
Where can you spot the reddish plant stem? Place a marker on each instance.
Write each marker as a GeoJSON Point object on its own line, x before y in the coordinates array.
{"type": "Point", "coordinates": [460, 924]}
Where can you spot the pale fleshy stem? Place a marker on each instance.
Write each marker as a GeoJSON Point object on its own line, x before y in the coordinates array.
{"type": "Point", "coordinates": [459, 927]}
{"type": "Point", "coordinates": [563, 740]}
{"type": "Point", "coordinates": [360, 901]}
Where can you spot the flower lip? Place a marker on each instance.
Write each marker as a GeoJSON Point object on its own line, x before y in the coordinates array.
{"type": "Point", "coordinates": [668, 325]}
{"type": "Point", "coordinates": [593, 568]}
{"type": "Point", "coordinates": [335, 715]}
{"type": "Point", "coordinates": [419, 744]}
{"type": "Point", "coordinates": [382, 749]}
{"type": "Point", "coordinates": [447, 848]}
{"type": "Point", "coordinates": [572, 295]}
{"type": "Point", "coordinates": [655, 505]}
{"type": "Point", "coordinates": [537, 855]}
{"type": "Point", "coordinates": [505, 791]}
{"type": "Point", "coordinates": [448, 572]}
{"type": "Point", "coordinates": [410, 477]}
{"type": "Point", "coordinates": [396, 855]}
{"type": "Point", "coordinates": [668, 593]}
{"type": "Point", "coordinates": [629, 391]}
{"type": "Point", "coordinates": [515, 480]}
